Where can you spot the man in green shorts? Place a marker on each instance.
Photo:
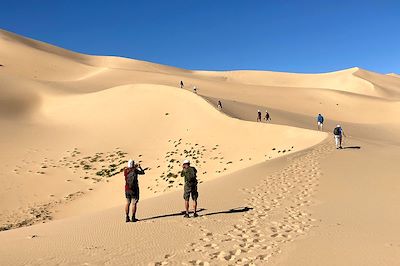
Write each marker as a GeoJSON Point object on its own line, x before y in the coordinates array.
{"type": "Point", "coordinates": [190, 189]}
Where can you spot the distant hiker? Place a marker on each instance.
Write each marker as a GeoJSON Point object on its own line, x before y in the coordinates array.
{"type": "Point", "coordinates": [182, 85]}
{"type": "Point", "coordinates": [132, 188]}
{"type": "Point", "coordinates": [258, 116]}
{"type": "Point", "coordinates": [219, 105]}
{"type": "Point", "coordinates": [267, 116]}
{"type": "Point", "coordinates": [195, 89]}
{"type": "Point", "coordinates": [320, 122]}
{"type": "Point", "coordinates": [190, 188]}
{"type": "Point", "coordinates": [338, 133]}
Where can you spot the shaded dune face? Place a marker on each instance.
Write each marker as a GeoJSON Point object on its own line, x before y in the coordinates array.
{"type": "Point", "coordinates": [14, 105]}
{"type": "Point", "coordinates": [19, 98]}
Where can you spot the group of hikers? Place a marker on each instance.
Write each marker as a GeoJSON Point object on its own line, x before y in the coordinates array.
{"type": "Point", "coordinates": [267, 117]}
{"type": "Point", "coordinates": [338, 131]}
{"type": "Point", "coordinates": [131, 173]}
{"type": "Point", "coordinates": [189, 173]}
{"type": "Point", "coordinates": [182, 85]}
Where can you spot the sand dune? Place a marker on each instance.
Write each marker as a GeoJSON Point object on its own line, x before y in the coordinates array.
{"type": "Point", "coordinates": [394, 75]}
{"type": "Point", "coordinates": [70, 121]}
{"type": "Point", "coordinates": [66, 136]}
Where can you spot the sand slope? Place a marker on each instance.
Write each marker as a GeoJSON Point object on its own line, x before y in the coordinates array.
{"type": "Point", "coordinates": [70, 121]}
{"type": "Point", "coordinates": [70, 127]}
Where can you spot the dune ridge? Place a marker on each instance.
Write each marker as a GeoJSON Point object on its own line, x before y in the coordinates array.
{"type": "Point", "coordinates": [71, 121]}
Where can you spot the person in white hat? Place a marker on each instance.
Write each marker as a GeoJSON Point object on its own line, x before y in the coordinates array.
{"type": "Point", "coordinates": [132, 188]}
{"type": "Point", "coordinates": [190, 188]}
{"type": "Point", "coordinates": [320, 122]}
{"type": "Point", "coordinates": [259, 116]}
{"type": "Point", "coordinates": [267, 116]}
{"type": "Point", "coordinates": [338, 134]}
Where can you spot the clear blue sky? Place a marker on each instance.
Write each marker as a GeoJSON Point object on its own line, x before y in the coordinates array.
{"type": "Point", "coordinates": [281, 35]}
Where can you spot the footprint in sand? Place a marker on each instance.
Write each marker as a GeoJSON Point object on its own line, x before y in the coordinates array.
{"type": "Point", "coordinates": [278, 216]}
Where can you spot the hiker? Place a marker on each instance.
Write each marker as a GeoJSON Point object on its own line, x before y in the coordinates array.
{"type": "Point", "coordinates": [195, 89]}
{"type": "Point", "coordinates": [190, 188]}
{"type": "Point", "coordinates": [182, 85]}
{"type": "Point", "coordinates": [267, 116]}
{"type": "Point", "coordinates": [320, 122]}
{"type": "Point", "coordinates": [219, 105]}
{"type": "Point", "coordinates": [132, 188]}
{"type": "Point", "coordinates": [258, 116]}
{"type": "Point", "coordinates": [338, 133]}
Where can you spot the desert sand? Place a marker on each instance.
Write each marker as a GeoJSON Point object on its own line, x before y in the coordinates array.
{"type": "Point", "coordinates": [276, 193]}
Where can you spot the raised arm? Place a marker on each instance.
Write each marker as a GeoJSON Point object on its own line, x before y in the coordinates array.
{"type": "Point", "coordinates": [140, 171]}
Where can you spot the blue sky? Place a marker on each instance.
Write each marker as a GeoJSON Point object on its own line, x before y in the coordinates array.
{"type": "Point", "coordinates": [281, 35]}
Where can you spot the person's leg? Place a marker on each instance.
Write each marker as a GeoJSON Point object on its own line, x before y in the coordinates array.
{"type": "Point", "coordinates": [195, 206]}
{"type": "Point", "coordinates": [337, 142]}
{"type": "Point", "coordinates": [195, 195]}
{"type": "Point", "coordinates": [322, 127]}
{"type": "Point", "coordinates": [127, 208]}
{"type": "Point", "coordinates": [134, 208]}
{"type": "Point", "coordinates": [128, 202]}
{"type": "Point", "coordinates": [186, 208]}
{"type": "Point", "coordinates": [340, 142]}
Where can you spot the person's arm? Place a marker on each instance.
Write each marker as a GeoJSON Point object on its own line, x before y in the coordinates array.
{"type": "Point", "coordinates": [344, 134]}
{"type": "Point", "coordinates": [140, 171]}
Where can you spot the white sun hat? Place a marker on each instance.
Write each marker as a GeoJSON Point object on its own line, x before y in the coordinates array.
{"type": "Point", "coordinates": [338, 126]}
{"type": "Point", "coordinates": [130, 163]}
{"type": "Point", "coordinates": [186, 162]}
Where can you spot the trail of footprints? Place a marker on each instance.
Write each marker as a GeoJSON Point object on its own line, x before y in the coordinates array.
{"type": "Point", "coordinates": [278, 216]}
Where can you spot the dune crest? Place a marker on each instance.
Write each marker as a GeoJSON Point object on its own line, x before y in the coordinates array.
{"type": "Point", "coordinates": [70, 122]}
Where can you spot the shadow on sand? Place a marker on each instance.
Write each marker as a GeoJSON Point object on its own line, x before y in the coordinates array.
{"type": "Point", "coordinates": [235, 210]}
{"type": "Point", "coordinates": [352, 147]}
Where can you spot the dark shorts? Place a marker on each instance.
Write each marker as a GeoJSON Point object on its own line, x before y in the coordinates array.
{"type": "Point", "coordinates": [132, 196]}
{"type": "Point", "coordinates": [190, 190]}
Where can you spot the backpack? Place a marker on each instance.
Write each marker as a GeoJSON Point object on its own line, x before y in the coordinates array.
{"type": "Point", "coordinates": [130, 178]}
{"type": "Point", "coordinates": [192, 178]}
{"type": "Point", "coordinates": [336, 131]}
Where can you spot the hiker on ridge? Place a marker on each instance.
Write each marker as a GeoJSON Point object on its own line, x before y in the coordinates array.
{"type": "Point", "coordinates": [132, 188]}
{"type": "Point", "coordinates": [267, 116]}
{"type": "Point", "coordinates": [338, 133]}
{"type": "Point", "coordinates": [320, 122]}
{"type": "Point", "coordinates": [190, 188]}
{"type": "Point", "coordinates": [219, 105]}
{"type": "Point", "coordinates": [258, 116]}
{"type": "Point", "coordinates": [182, 85]}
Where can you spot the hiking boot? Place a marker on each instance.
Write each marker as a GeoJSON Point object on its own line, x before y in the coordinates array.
{"type": "Point", "coordinates": [127, 219]}
{"type": "Point", "coordinates": [134, 220]}
{"type": "Point", "coordinates": [186, 215]}
{"type": "Point", "coordinates": [195, 215]}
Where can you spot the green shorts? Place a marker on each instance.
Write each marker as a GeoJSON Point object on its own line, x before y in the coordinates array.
{"type": "Point", "coordinates": [190, 190]}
